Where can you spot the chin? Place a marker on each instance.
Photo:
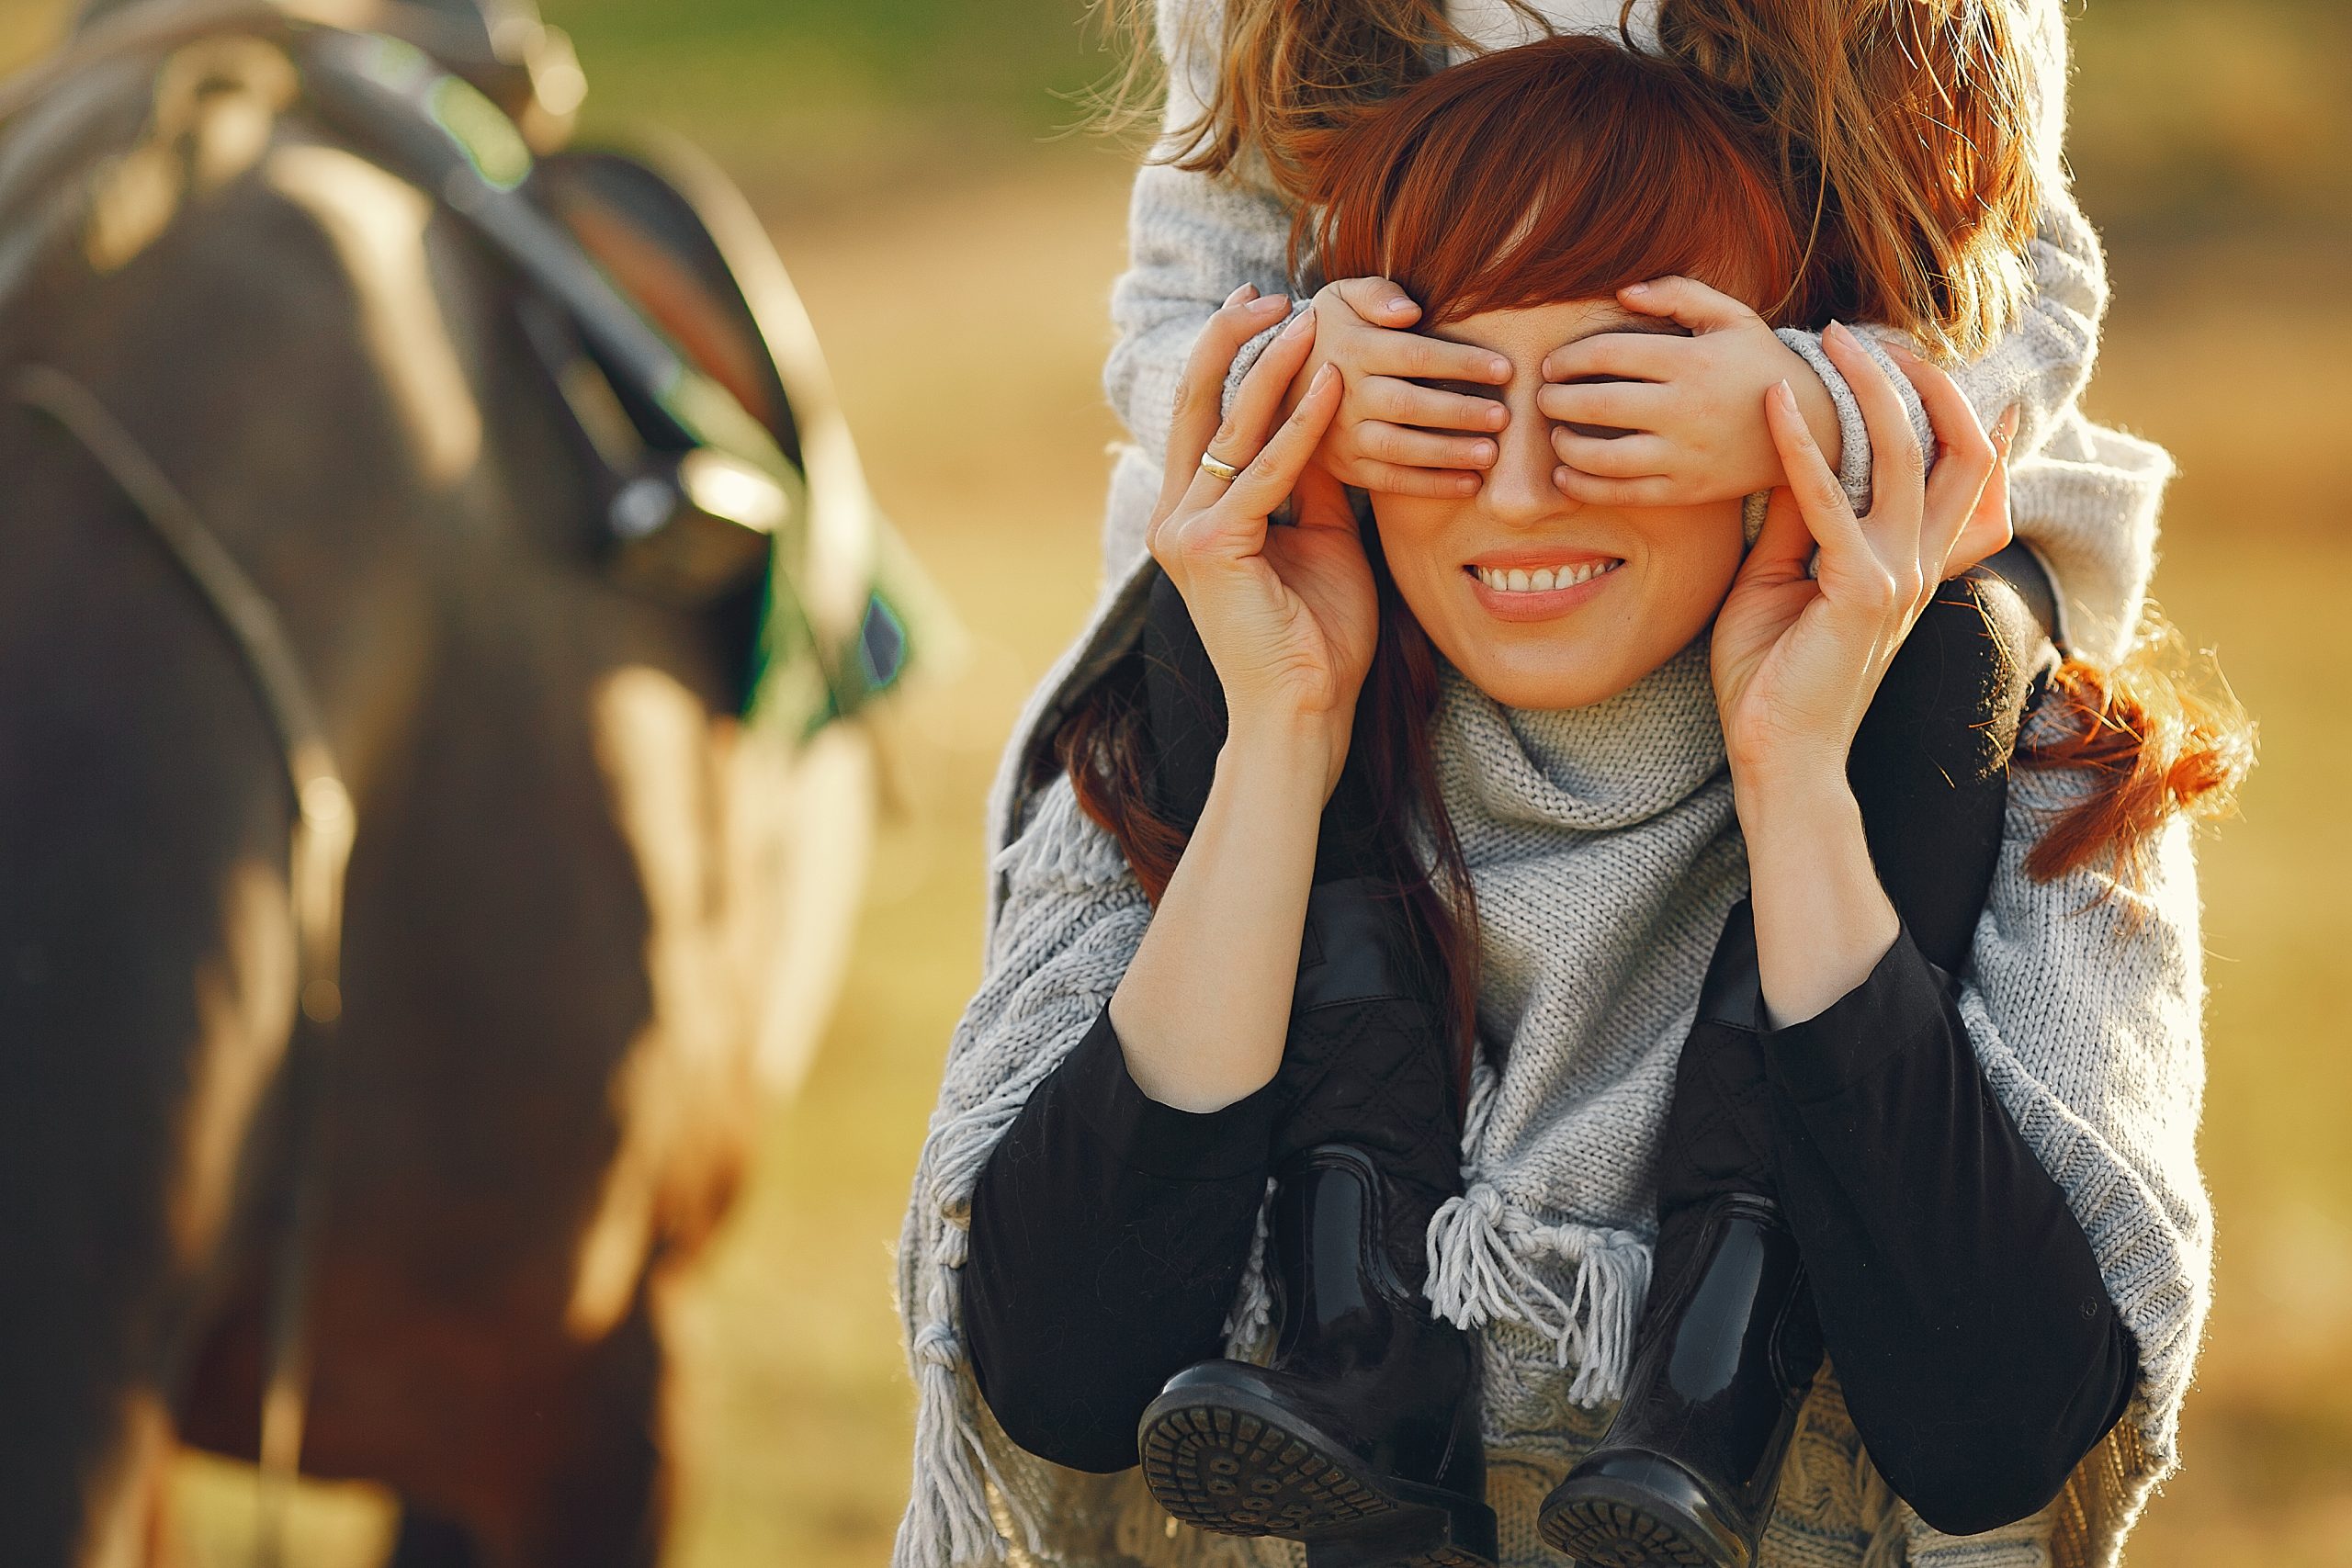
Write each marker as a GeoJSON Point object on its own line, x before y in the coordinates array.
{"type": "Point", "coordinates": [1563, 649]}
{"type": "Point", "coordinates": [1562, 683]}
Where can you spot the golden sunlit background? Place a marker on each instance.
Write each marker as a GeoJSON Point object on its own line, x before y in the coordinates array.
{"type": "Point", "coordinates": [955, 238]}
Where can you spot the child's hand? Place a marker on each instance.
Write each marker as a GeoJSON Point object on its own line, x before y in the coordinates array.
{"type": "Point", "coordinates": [1391, 434]}
{"type": "Point", "coordinates": [1692, 404]}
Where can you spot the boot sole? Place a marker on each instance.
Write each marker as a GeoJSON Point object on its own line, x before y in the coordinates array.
{"type": "Point", "coordinates": [1242, 1466]}
{"type": "Point", "coordinates": [1612, 1522]}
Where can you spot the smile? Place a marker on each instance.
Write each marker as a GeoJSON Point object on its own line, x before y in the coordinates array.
{"type": "Point", "coordinates": [1543, 579]}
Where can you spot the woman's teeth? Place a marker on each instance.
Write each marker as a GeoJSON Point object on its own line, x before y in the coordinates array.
{"type": "Point", "coordinates": [1544, 579]}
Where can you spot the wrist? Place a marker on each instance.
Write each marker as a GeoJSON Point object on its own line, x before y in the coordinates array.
{"type": "Point", "coordinates": [1283, 757]}
{"type": "Point", "coordinates": [1822, 919]}
{"type": "Point", "coordinates": [1802, 798]}
{"type": "Point", "coordinates": [1784, 775]}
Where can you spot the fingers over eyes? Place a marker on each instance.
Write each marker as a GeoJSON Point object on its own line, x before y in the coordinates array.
{"type": "Point", "coordinates": [1376, 300]}
{"type": "Point", "coordinates": [1620, 457]}
{"type": "Point", "coordinates": [1427, 359]}
{"type": "Point", "coordinates": [1433, 484]}
{"type": "Point", "coordinates": [1600, 490]}
{"type": "Point", "coordinates": [1382, 443]}
{"type": "Point", "coordinates": [1685, 300]}
{"type": "Point", "coordinates": [1622, 405]}
{"type": "Point", "coordinates": [1640, 356]}
{"type": "Point", "coordinates": [1402, 403]}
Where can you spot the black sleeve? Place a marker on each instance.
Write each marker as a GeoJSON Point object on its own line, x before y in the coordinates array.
{"type": "Point", "coordinates": [1958, 1297]}
{"type": "Point", "coordinates": [1109, 1232]}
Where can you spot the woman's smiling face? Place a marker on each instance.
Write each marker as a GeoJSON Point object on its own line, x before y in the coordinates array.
{"type": "Point", "coordinates": [1544, 602]}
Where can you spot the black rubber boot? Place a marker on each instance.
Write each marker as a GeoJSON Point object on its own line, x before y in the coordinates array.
{"type": "Point", "coordinates": [1361, 1439]}
{"type": "Point", "coordinates": [1728, 1343]}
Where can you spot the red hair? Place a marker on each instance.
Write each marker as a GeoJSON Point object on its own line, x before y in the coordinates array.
{"type": "Point", "coordinates": [2155, 746]}
{"type": "Point", "coordinates": [1560, 170]}
{"type": "Point", "coordinates": [1636, 169]}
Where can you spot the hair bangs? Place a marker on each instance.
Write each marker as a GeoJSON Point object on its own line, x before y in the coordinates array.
{"type": "Point", "coordinates": [1559, 170]}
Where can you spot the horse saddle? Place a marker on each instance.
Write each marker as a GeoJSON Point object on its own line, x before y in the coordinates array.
{"type": "Point", "coordinates": [725, 479]}
{"type": "Point", "coordinates": [696, 389]}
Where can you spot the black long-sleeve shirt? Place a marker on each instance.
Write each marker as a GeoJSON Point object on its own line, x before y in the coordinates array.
{"type": "Point", "coordinates": [1959, 1298]}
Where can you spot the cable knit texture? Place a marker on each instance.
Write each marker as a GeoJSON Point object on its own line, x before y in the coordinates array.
{"type": "Point", "coordinates": [2084, 497]}
{"type": "Point", "coordinates": [1605, 853]}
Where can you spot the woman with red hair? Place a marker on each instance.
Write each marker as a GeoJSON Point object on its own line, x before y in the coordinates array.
{"type": "Point", "coordinates": [1432, 930]}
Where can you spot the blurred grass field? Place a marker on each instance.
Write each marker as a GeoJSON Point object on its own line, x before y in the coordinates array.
{"type": "Point", "coordinates": [954, 247]}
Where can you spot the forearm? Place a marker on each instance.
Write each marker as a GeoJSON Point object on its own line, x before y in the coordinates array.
{"type": "Point", "coordinates": [1822, 921]}
{"type": "Point", "coordinates": [1192, 239]}
{"type": "Point", "coordinates": [1958, 1295]}
{"type": "Point", "coordinates": [1203, 1009]}
{"type": "Point", "coordinates": [2044, 359]}
{"type": "Point", "coordinates": [1109, 1232]}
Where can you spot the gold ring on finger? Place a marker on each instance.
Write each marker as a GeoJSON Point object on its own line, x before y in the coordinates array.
{"type": "Point", "coordinates": [1210, 464]}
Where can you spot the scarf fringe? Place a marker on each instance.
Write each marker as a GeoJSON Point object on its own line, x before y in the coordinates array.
{"type": "Point", "coordinates": [1249, 1325]}
{"type": "Point", "coordinates": [1482, 1247]}
{"type": "Point", "coordinates": [948, 1519]}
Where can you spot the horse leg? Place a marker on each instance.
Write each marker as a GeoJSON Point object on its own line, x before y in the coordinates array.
{"type": "Point", "coordinates": [597, 1491]}
{"type": "Point", "coordinates": [427, 1541]}
{"type": "Point", "coordinates": [165, 1547]}
{"type": "Point", "coordinates": [607, 1496]}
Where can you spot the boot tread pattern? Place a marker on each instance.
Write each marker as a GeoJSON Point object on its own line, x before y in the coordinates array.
{"type": "Point", "coordinates": [1236, 1473]}
{"type": "Point", "coordinates": [1602, 1533]}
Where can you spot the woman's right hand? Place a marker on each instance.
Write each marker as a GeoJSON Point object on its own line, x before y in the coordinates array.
{"type": "Point", "coordinates": [1391, 432]}
{"type": "Point", "coordinates": [1287, 613]}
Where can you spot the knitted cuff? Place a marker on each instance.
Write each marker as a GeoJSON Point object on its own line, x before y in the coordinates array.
{"type": "Point", "coordinates": [1249, 352]}
{"type": "Point", "coordinates": [1854, 436]}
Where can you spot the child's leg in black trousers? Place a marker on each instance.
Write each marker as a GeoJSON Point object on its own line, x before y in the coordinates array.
{"type": "Point", "coordinates": [1361, 1437]}
{"type": "Point", "coordinates": [1728, 1343]}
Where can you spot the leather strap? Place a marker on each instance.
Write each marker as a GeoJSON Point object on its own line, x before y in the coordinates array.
{"type": "Point", "coordinates": [324, 824]}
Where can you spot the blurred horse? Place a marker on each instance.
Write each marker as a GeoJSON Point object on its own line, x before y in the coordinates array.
{"type": "Point", "coordinates": [572, 882]}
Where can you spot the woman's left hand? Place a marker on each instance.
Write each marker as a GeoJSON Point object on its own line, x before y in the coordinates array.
{"type": "Point", "coordinates": [1797, 657]}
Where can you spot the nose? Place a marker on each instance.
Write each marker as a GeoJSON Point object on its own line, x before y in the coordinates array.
{"type": "Point", "coordinates": [1518, 490]}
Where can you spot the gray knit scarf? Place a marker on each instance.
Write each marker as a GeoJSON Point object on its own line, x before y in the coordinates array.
{"type": "Point", "coordinates": [1604, 853]}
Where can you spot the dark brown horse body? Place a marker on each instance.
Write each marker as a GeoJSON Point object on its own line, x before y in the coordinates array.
{"type": "Point", "coordinates": [563, 901]}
